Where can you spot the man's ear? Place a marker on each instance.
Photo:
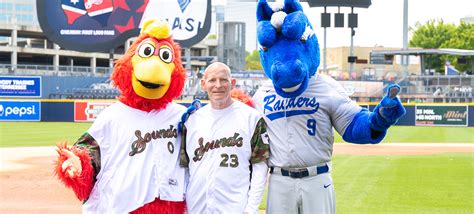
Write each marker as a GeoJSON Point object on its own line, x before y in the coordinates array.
{"type": "Point", "coordinates": [203, 83]}
{"type": "Point", "coordinates": [233, 81]}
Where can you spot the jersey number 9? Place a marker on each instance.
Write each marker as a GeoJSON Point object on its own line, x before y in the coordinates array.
{"type": "Point", "coordinates": [311, 124]}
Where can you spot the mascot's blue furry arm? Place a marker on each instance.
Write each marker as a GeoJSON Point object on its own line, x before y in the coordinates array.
{"type": "Point", "coordinates": [371, 127]}
{"type": "Point", "coordinates": [195, 105]}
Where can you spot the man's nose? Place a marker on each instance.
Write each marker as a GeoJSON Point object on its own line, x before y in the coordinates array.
{"type": "Point", "coordinates": [218, 83]}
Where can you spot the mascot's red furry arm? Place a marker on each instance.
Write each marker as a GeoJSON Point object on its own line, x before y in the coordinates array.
{"type": "Point", "coordinates": [126, 161]}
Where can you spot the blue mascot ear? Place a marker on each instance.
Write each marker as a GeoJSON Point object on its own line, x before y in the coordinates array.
{"type": "Point", "coordinates": [294, 25]}
{"type": "Point", "coordinates": [292, 6]}
{"type": "Point", "coordinates": [264, 11]}
{"type": "Point", "coordinates": [266, 34]}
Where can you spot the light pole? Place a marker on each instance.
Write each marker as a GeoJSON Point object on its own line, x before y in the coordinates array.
{"type": "Point", "coordinates": [405, 38]}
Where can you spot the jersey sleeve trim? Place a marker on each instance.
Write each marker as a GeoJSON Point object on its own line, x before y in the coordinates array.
{"type": "Point", "coordinates": [183, 156]}
{"type": "Point", "coordinates": [260, 143]}
{"type": "Point", "coordinates": [87, 142]}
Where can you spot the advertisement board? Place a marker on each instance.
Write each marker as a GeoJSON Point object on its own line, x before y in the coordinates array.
{"type": "Point", "coordinates": [20, 86]}
{"type": "Point", "coordinates": [431, 115]}
{"type": "Point", "coordinates": [190, 21]}
{"type": "Point", "coordinates": [102, 25]}
{"type": "Point", "coordinates": [88, 111]}
{"type": "Point", "coordinates": [20, 110]}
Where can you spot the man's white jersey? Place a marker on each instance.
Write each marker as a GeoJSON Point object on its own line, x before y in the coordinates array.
{"type": "Point", "coordinates": [301, 128]}
{"type": "Point", "coordinates": [139, 158]}
{"type": "Point", "coordinates": [218, 144]}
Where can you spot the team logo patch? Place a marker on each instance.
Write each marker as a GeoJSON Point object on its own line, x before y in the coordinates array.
{"type": "Point", "coordinates": [265, 138]}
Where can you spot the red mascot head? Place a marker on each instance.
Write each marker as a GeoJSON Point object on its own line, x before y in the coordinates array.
{"type": "Point", "coordinates": [150, 75]}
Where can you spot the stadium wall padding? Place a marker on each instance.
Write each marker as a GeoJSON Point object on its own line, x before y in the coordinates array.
{"type": "Point", "coordinates": [57, 111]}
{"type": "Point", "coordinates": [409, 118]}
{"type": "Point", "coordinates": [55, 84]}
{"type": "Point", "coordinates": [63, 111]}
{"type": "Point", "coordinates": [470, 121]}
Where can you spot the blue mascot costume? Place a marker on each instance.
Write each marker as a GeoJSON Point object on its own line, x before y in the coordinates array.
{"type": "Point", "coordinates": [302, 107]}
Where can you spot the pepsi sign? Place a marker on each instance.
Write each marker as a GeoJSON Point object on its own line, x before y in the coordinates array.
{"type": "Point", "coordinates": [20, 110]}
{"type": "Point", "coordinates": [101, 25]}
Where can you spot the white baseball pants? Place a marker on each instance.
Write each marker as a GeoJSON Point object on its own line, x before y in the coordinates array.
{"type": "Point", "coordinates": [308, 195]}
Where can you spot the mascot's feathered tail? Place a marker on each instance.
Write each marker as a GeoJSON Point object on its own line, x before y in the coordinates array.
{"type": "Point", "coordinates": [241, 96]}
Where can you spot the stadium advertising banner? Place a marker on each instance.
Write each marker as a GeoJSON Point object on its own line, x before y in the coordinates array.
{"type": "Point", "coordinates": [88, 111]}
{"type": "Point", "coordinates": [20, 110]}
{"type": "Point", "coordinates": [20, 86]}
{"type": "Point", "coordinates": [427, 115]}
{"type": "Point", "coordinates": [102, 25]}
{"type": "Point", "coordinates": [190, 20]}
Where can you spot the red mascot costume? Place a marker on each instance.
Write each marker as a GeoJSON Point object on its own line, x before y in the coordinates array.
{"type": "Point", "coordinates": [127, 162]}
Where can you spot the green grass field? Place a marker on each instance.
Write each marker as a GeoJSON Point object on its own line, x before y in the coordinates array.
{"type": "Point", "coordinates": [39, 133]}
{"type": "Point", "coordinates": [442, 183]}
{"type": "Point", "coordinates": [426, 134]}
{"type": "Point", "coordinates": [50, 133]}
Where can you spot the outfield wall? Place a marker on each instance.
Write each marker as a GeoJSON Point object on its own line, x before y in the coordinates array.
{"type": "Point", "coordinates": [425, 114]}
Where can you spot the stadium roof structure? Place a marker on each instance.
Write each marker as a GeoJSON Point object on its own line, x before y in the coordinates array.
{"type": "Point", "coordinates": [422, 52]}
{"type": "Point", "coordinates": [416, 52]}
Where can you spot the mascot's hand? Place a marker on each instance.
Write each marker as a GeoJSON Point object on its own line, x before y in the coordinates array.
{"type": "Point", "coordinates": [195, 105]}
{"type": "Point", "coordinates": [72, 165]}
{"type": "Point", "coordinates": [388, 111]}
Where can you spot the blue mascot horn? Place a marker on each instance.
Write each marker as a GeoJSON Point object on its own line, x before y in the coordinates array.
{"type": "Point", "coordinates": [289, 50]}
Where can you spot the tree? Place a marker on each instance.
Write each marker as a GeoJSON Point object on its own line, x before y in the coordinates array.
{"type": "Point", "coordinates": [464, 39]}
{"type": "Point", "coordinates": [252, 61]}
{"type": "Point", "coordinates": [437, 34]}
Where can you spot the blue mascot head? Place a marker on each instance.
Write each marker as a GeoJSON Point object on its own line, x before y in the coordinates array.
{"type": "Point", "coordinates": [289, 50]}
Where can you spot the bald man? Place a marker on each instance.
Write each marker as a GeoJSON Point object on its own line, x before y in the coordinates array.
{"type": "Point", "coordinates": [225, 147]}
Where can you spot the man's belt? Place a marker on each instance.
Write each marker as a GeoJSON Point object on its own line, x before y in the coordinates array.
{"type": "Point", "coordinates": [300, 172]}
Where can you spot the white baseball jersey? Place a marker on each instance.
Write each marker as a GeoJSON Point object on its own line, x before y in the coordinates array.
{"type": "Point", "coordinates": [139, 158]}
{"type": "Point", "coordinates": [301, 128]}
{"type": "Point", "coordinates": [218, 144]}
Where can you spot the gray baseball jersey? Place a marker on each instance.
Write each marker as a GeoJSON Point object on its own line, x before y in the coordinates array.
{"type": "Point", "coordinates": [301, 128]}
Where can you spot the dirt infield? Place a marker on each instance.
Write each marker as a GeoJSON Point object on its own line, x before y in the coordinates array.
{"type": "Point", "coordinates": [27, 184]}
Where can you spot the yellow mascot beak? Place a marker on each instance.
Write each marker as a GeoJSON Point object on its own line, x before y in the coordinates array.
{"type": "Point", "coordinates": [153, 62]}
